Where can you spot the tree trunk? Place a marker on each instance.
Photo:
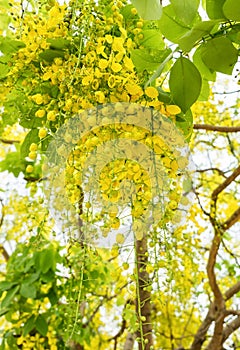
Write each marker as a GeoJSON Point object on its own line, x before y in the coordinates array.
{"type": "Point", "coordinates": [143, 306]}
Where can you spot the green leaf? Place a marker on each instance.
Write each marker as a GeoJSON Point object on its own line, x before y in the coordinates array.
{"type": "Point", "coordinates": [6, 285]}
{"type": "Point", "coordinates": [205, 72]}
{"type": "Point", "coordinates": [32, 278]}
{"type": "Point", "coordinates": [171, 26]}
{"type": "Point", "coordinates": [187, 41]}
{"type": "Point", "coordinates": [220, 55]}
{"type": "Point", "coordinates": [47, 260]}
{"type": "Point", "coordinates": [48, 277]}
{"type": "Point", "coordinates": [143, 60]}
{"type": "Point", "coordinates": [28, 290]}
{"type": "Point", "coordinates": [29, 325]}
{"type": "Point", "coordinates": [234, 34]}
{"type": "Point", "coordinates": [186, 10]}
{"type": "Point", "coordinates": [9, 46]}
{"type": "Point", "coordinates": [184, 121]}
{"type": "Point", "coordinates": [152, 39]}
{"type": "Point", "coordinates": [160, 68]}
{"type": "Point", "coordinates": [49, 55]}
{"type": "Point", "coordinates": [59, 43]}
{"type": "Point", "coordinates": [12, 163]}
{"type": "Point", "coordinates": [148, 9]}
{"type": "Point", "coordinates": [214, 8]}
{"type": "Point", "coordinates": [231, 9]}
{"type": "Point", "coordinates": [52, 296]}
{"type": "Point", "coordinates": [31, 137]}
{"type": "Point", "coordinates": [126, 12]}
{"type": "Point", "coordinates": [205, 91]}
{"type": "Point", "coordinates": [3, 311]}
{"type": "Point", "coordinates": [4, 69]}
{"type": "Point", "coordinates": [41, 325]}
{"type": "Point", "coordinates": [164, 96]}
{"type": "Point", "coordinates": [4, 21]}
{"type": "Point", "coordinates": [11, 341]}
{"type": "Point", "coordinates": [9, 297]}
{"type": "Point", "coordinates": [185, 83]}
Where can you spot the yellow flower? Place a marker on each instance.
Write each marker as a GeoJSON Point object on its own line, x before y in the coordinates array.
{"type": "Point", "coordinates": [116, 67]}
{"type": "Point", "coordinates": [95, 84]}
{"type": "Point", "coordinates": [133, 89]}
{"type": "Point", "coordinates": [20, 340]}
{"type": "Point", "coordinates": [87, 80]}
{"type": "Point", "coordinates": [123, 32]}
{"type": "Point", "coordinates": [128, 63]}
{"type": "Point", "coordinates": [117, 44]}
{"type": "Point", "coordinates": [91, 56]}
{"type": "Point", "coordinates": [53, 347]}
{"type": "Point", "coordinates": [32, 155]}
{"type": "Point", "coordinates": [68, 105]}
{"type": "Point", "coordinates": [119, 56]}
{"type": "Point", "coordinates": [111, 81]}
{"type": "Point", "coordinates": [129, 43]}
{"type": "Point", "coordinates": [38, 99]}
{"type": "Point", "coordinates": [155, 104]}
{"type": "Point", "coordinates": [103, 63]}
{"type": "Point", "coordinates": [100, 97]}
{"type": "Point", "coordinates": [42, 133]}
{"type": "Point", "coordinates": [51, 116]}
{"type": "Point", "coordinates": [33, 147]}
{"type": "Point", "coordinates": [98, 73]}
{"type": "Point", "coordinates": [58, 61]}
{"type": "Point", "coordinates": [100, 51]}
{"type": "Point", "coordinates": [108, 38]}
{"type": "Point", "coordinates": [173, 110]}
{"type": "Point", "coordinates": [40, 113]}
{"type": "Point", "coordinates": [151, 92]}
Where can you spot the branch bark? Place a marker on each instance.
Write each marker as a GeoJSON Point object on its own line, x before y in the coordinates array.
{"type": "Point", "coordinates": [143, 305]}
{"type": "Point", "coordinates": [226, 183]}
{"type": "Point", "coordinates": [235, 217]}
{"type": "Point", "coordinates": [217, 309]}
{"type": "Point", "coordinates": [209, 127]}
{"type": "Point", "coordinates": [232, 291]}
{"type": "Point", "coordinates": [230, 328]}
{"type": "Point", "coordinates": [129, 343]}
{"type": "Point", "coordinates": [9, 142]}
{"type": "Point", "coordinates": [4, 253]}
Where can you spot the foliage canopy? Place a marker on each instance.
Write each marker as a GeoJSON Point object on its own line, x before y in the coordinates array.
{"type": "Point", "coordinates": [175, 287]}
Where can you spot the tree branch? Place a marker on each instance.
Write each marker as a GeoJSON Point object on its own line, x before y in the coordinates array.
{"type": "Point", "coordinates": [200, 336]}
{"type": "Point", "coordinates": [143, 299]}
{"type": "Point", "coordinates": [209, 127]}
{"type": "Point", "coordinates": [232, 291]}
{"type": "Point", "coordinates": [4, 253]}
{"type": "Point", "coordinates": [9, 142]}
{"type": "Point", "coordinates": [230, 328]}
{"type": "Point", "coordinates": [129, 343]}
{"type": "Point", "coordinates": [235, 217]}
{"type": "Point", "coordinates": [225, 183]}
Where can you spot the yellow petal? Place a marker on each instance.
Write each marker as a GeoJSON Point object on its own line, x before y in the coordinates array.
{"type": "Point", "coordinates": [173, 110]}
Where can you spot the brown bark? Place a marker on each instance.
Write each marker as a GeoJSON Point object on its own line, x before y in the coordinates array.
{"type": "Point", "coordinates": [143, 305]}
{"type": "Point", "coordinates": [217, 311]}
{"type": "Point", "coordinates": [232, 291]}
{"type": "Point", "coordinates": [230, 328]}
{"type": "Point", "coordinates": [9, 142]}
{"type": "Point", "coordinates": [226, 183]}
{"type": "Point", "coordinates": [4, 253]}
{"type": "Point", "coordinates": [129, 343]}
{"type": "Point", "coordinates": [209, 127]}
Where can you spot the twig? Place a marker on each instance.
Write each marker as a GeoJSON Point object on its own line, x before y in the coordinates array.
{"type": "Point", "coordinates": [209, 127]}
